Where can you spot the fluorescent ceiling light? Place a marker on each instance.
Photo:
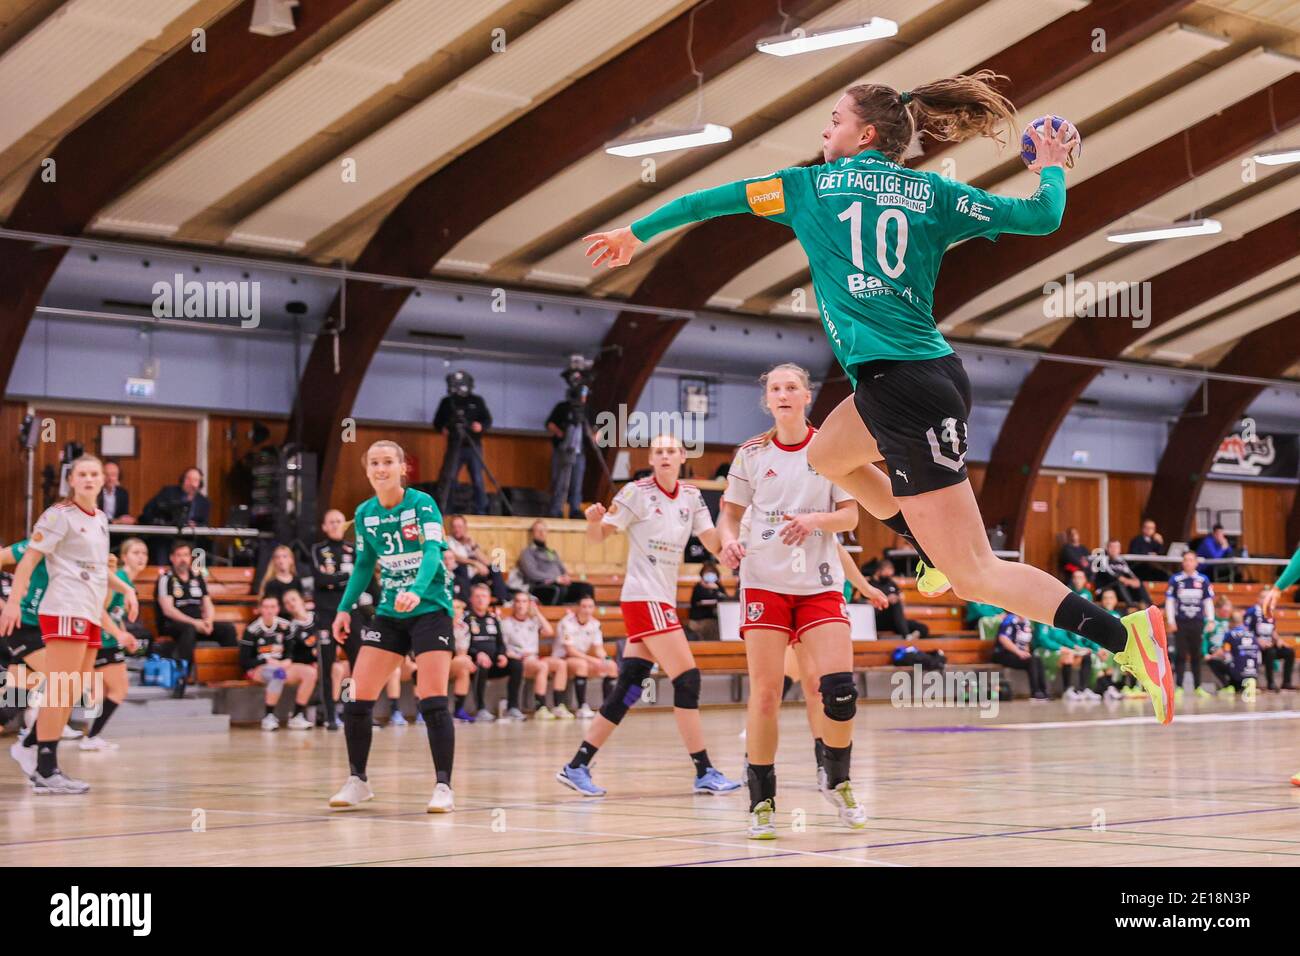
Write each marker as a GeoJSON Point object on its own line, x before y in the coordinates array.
{"type": "Point", "coordinates": [1279, 157]}
{"type": "Point", "coordinates": [1176, 230]}
{"type": "Point", "coordinates": [666, 142]}
{"type": "Point", "coordinates": [797, 41]}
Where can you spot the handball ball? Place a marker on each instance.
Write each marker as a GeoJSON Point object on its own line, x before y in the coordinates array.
{"type": "Point", "coordinates": [1027, 151]}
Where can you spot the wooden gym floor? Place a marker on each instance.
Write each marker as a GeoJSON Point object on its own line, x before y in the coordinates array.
{"type": "Point", "coordinates": [1039, 785]}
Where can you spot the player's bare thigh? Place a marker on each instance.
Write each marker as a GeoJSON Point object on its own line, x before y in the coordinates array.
{"type": "Point", "coordinates": [842, 443]}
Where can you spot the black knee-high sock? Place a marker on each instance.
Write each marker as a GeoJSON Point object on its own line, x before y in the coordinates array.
{"type": "Point", "coordinates": [786, 683]}
{"type": "Point", "coordinates": [105, 712]}
{"type": "Point", "coordinates": [701, 761]}
{"type": "Point", "coordinates": [1085, 673]}
{"type": "Point", "coordinates": [358, 729]}
{"type": "Point", "coordinates": [606, 688]}
{"type": "Point", "coordinates": [580, 690]}
{"type": "Point", "coordinates": [1091, 621]}
{"type": "Point", "coordinates": [539, 700]}
{"type": "Point", "coordinates": [898, 524]}
{"type": "Point", "coordinates": [460, 701]}
{"type": "Point", "coordinates": [762, 784]}
{"type": "Point", "coordinates": [819, 752]}
{"type": "Point", "coordinates": [47, 757]}
{"type": "Point", "coordinates": [1067, 677]}
{"type": "Point", "coordinates": [30, 739]}
{"type": "Point", "coordinates": [480, 687]}
{"type": "Point", "coordinates": [584, 755]}
{"type": "Point", "coordinates": [836, 762]}
{"type": "Point", "coordinates": [442, 735]}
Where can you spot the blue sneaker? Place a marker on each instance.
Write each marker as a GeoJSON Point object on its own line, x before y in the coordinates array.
{"type": "Point", "coordinates": [398, 719]}
{"type": "Point", "coordinates": [714, 782]}
{"type": "Point", "coordinates": [464, 716]}
{"type": "Point", "coordinates": [579, 779]}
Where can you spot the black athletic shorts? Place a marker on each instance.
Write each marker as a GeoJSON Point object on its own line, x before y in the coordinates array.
{"type": "Point", "coordinates": [917, 413]}
{"type": "Point", "coordinates": [409, 635]}
{"type": "Point", "coordinates": [26, 639]}
{"type": "Point", "coordinates": [106, 656]}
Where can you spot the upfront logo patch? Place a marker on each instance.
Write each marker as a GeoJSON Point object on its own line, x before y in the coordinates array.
{"type": "Point", "coordinates": [76, 909]}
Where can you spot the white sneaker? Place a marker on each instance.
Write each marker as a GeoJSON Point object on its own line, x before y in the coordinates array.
{"type": "Point", "coordinates": [1112, 693]}
{"type": "Point", "coordinates": [1070, 694]}
{"type": "Point", "coordinates": [543, 713]}
{"type": "Point", "coordinates": [563, 712]}
{"type": "Point", "coordinates": [585, 712]}
{"type": "Point", "coordinates": [514, 713]}
{"type": "Point", "coordinates": [270, 722]}
{"type": "Point", "coordinates": [58, 782]}
{"type": "Point", "coordinates": [299, 722]}
{"type": "Point", "coordinates": [25, 757]}
{"type": "Point", "coordinates": [71, 733]}
{"type": "Point", "coordinates": [353, 793]}
{"type": "Point", "coordinates": [1088, 694]}
{"type": "Point", "coordinates": [442, 801]}
{"type": "Point", "coordinates": [96, 743]}
{"type": "Point", "coordinates": [484, 716]}
{"type": "Point", "coordinates": [852, 813]}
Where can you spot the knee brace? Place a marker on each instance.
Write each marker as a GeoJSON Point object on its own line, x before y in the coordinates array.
{"type": "Point", "coordinates": [431, 706]}
{"type": "Point", "coordinates": [627, 689]}
{"type": "Point", "coordinates": [686, 689]}
{"type": "Point", "coordinates": [358, 708]}
{"type": "Point", "coordinates": [839, 696]}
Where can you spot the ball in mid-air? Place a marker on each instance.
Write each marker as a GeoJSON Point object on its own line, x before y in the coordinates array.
{"type": "Point", "coordinates": [1028, 152]}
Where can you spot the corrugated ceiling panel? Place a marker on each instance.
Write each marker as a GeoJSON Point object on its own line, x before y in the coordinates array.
{"type": "Point", "coordinates": [978, 35]}
{"type": "Point", "coordinates": [1232, 327]}
{"type": "Point", "coordinates": [1150, 259]}
{"type": "Point", "coordinates": [729, 99]}
{"type": "Point", "coordinates": [376, 54]}
{"type": "Point", "coordinates": [563, 46]}
{"type": "Point", "coordinates": [1136, 132]}
{"type": "Point", "coordinates": [76, 45]}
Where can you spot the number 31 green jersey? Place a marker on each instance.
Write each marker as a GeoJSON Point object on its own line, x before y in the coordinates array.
{"type": "Point", "coordinates": [874, 232]}
{"type": "Point", "coordinates": [406, 543]}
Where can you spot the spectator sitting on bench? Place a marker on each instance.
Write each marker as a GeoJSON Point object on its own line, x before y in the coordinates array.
{"type": "Point", "coordinates": [186, 613]}
{"type": "Point", "coordinates": [1236, 665]}
{"type": "Point", "coordinates": [281, 575]}
{"type": "Point", "coordinates": [544, 574]}
{"type": "Point", "coordinates": [1015, 649]}
{"type": "Point", "coordinates": [462, 667]}
{"type": "Point", "coordinates": [1272, 650]}
{"type": "Point", "coordinates": [1069, 649]}
{"type": "Point", "coordinates": [263, 657]}
{"type": "Point", "coordinates": [471, 564]}
{"type": "Point", "coordinates": [1110, 679]}
{"type": "Point", "coordinates": [892, 618]}
{"type": "Point", "coordinates": [704, 603]}
{"type": "Point", "coordinates": [582, 646]}
{"type": "Point", "coordinates": [1112, 571]}
{"type": "Point", "coordinates": [523, 629]}
{"type": "Point", "coordinates": [487, 649]}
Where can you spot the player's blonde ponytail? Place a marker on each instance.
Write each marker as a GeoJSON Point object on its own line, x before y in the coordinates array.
{"type": "Point", "coordinates": [952, 109]}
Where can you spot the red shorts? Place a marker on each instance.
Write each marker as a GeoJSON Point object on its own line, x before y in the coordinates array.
{"type": "Point", "coordinates": [647, 618]}
{"type": "Point", "coordinates": [792, 613]}
{"type": "Point", "coordinates": [56, 627]}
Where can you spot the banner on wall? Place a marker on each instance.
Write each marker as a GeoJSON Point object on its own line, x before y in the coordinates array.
{"type": "Point", "coordinates": [1245, 451]}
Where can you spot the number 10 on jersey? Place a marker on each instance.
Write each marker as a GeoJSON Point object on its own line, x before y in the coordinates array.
{"type": "Point", "coordinates": [853, 216]}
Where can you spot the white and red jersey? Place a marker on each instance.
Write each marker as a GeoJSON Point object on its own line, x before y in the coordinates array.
{"type": "Point", "coordinates": [75, 546]}
{"type": "Point", "coordinates": [582, 637]}
{"type": "Point", "coordinates": [521, 637]}
{"type": "Point", "coordinates": [773, 480]}
{"type": "Point", "coordinates": [658, 525]}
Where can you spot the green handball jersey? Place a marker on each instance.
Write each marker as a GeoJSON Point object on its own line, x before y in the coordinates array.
{"type": "Point", "coordinates": [874, 232]}
{"type": "Point", "coordinates": [35, 588]}
{"type": "Point", "coordinates": [117, 610]}
{"type": "Point", "coordinates": [406, 544]}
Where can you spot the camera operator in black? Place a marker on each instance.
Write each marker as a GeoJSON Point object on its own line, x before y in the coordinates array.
{"type": "Point", "coordinates": [331, 562]}
{"type": "Point", "coordinates": [464, 416]}
{"type": "Point", "coordinates": [567, 426]}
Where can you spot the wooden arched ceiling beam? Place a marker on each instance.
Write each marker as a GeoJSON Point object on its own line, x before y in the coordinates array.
{"type": "Point", "coordinates": [1265, 353]}
{"type": "Point", "coordinates": [104, 155]}
{"type": "Point", "coordinates": [1036, 65]}
{"type": "Point", "coordinates": [449, 204]}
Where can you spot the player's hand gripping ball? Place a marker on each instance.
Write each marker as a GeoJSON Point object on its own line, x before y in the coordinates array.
{"type": "Point", "coordinates": [1070, 135]}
